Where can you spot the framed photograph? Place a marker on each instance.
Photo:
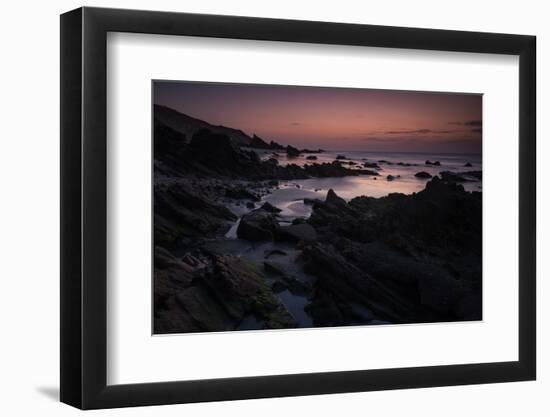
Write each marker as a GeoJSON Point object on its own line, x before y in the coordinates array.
{"type": "Point", "coordinates": [258, 208]}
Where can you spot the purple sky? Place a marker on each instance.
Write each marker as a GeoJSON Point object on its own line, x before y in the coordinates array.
{"type": "Point", "coordinates": [334, 118]}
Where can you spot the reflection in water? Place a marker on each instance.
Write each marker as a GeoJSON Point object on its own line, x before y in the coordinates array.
{"type": "Point", "coordinates": [350, 187]}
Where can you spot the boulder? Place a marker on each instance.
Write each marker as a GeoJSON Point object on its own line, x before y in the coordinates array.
{"type": "Point", "coordinates": [435, 163]}
{"type": "Point", "coordinates": [390, 177]}
{"type": "Point", "coordinates": [311, 157]}
{"type": "Point", "coordinates": [256, 226]}
{"type": "Point", "coordinates": [423, 175]}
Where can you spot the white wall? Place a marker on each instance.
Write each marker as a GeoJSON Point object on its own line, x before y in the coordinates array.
{"type": "Point", "coordinates": [29, 177]}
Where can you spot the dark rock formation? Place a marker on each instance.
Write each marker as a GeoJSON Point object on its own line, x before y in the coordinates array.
{"type": "Point", "coordinates": [223, 292]}
{"type": "Point", "coordinates": [390, 177]}
{"type": "Point", "coordinates": [216, 155]}
{"type": "Point", "coordinates": [311, 157]}
{"type": "Point", "coordinates": [305, 150]}
{"type": "Point", "coordinates": [292, 152]}
{"type": "Point", "coordinates": [435, 163]}
{"type": "Point", "coordinates": [333, 199]}
{"type": "Point", "coordinates": [183, 211]}
{"type": "Point", "coordinates": [423, 175]}
{"type": "Point", "coordinates": [257, 225]}
{"type": "Point", "coordinates": [468, 165]}
{"type": "Point", "coordinates": [371, 165]}
{"type": "Point", "coordinates": [258, 143]}
{"type": "Point", "coordinates": [270, 208]}
{"type": "Point", "coordinates": [404, 258]}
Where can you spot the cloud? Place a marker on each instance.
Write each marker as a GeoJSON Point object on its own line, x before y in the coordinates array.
{"type": "Point", "coordinates": [407, 132]}
{"type": "Point", "coordinates": [418, 131]}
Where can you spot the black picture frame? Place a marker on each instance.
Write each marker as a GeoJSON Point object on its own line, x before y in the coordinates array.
{"type": "Point", "coordinates": [84, 207]}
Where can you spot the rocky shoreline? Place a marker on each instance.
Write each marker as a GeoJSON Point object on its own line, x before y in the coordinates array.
{"type": "Point", "coordinates": [396, 259]}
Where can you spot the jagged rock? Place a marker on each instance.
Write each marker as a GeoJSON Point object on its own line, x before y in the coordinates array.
{"type": "Point", "coordinates": [311, 157]}
{"type": "Point", "coordinates": [390, 177]}
{"type": "Point", "coordinates": [259, 143]}
{"type": "Point", "coordinates": [219, 300]}
{"type": "Point", "coordinates": [435, 163]}
{"type": "Point", "coordinates": [341, 157]}
{"type": "Point", "coordinates": [407, 258]}
{"type": "Point", "coordinates": [292, 152]}
{"type": "Point", "coordinates": [333, 199]}
{"type": "Point", "coordinates": [467, 165]}
{"type": "Point", "coordinates": [180, 210]}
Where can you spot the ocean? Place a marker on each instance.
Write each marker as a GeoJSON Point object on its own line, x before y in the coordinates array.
{"type": "Point", "coordinates": [290, 195]}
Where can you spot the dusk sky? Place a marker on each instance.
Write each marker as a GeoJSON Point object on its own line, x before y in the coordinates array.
{"type": "Point", "coordinates": [334, 118]}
